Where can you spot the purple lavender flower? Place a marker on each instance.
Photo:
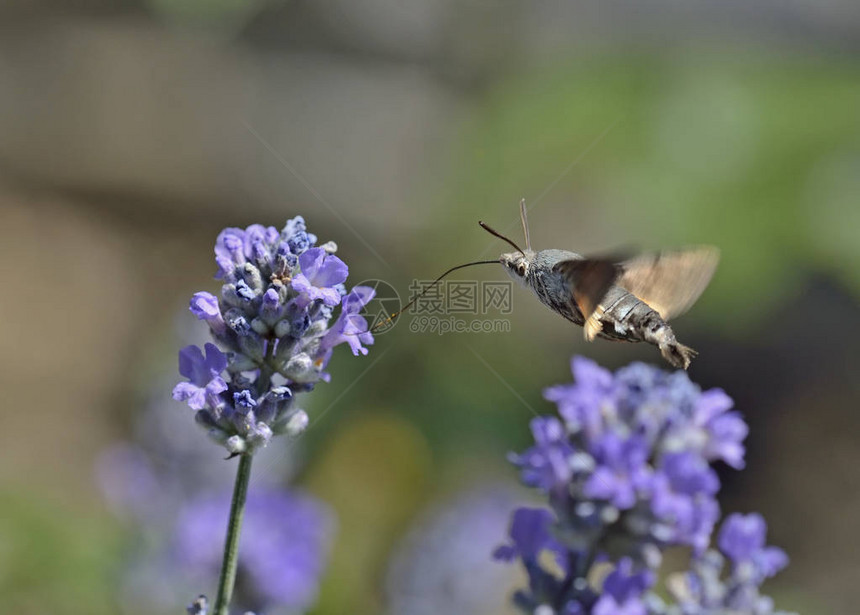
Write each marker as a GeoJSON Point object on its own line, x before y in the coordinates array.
{"type": "Point", "coordinates": [285, 542]}
{"type": "Point", "coordinates": [229, 250]}
{"type": "Point", "coordinates": [626, 468]}
{"type": "Point", "coordinates": [320, 273]}
{"type": "Point", "coordinates": [350, 326]}
{"type": "Point", "coordinates": [547, 464]}
{"type": "Point", "coordinates": [621, 474]}
{"type": "Point", "coordinates": [707, 589]}
{"type": "Point", "coordinates": [638, 441]}
{"type": "Point", "coordinates": [683, 500]}
{"type": "Point", "coordinates": [205, 306]}
{"type": "Point", "coordinates": [582, 404]}
{"type": "Point", "coordinates": [272, 322]}
{"type": "Point", "coordinates": [203, 373]}
{"type": "Point", "coordinates": [742, 539]}
{"type": "Point", "coordinates": [622, 591]}
{"type": "Point", "coordinates": [530, 535]}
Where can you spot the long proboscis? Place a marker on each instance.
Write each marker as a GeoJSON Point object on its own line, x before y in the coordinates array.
{"type": "Point", "coordinates": [424, 292]}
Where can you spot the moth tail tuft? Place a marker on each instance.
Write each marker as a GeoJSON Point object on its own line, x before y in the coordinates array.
{"type": "Point", "coordinates": [677, 354]}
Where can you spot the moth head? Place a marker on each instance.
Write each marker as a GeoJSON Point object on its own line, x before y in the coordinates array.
{"type": "Point", "coordinates": [516, 264]}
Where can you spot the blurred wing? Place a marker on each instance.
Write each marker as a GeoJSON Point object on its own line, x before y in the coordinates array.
{"type": "Point", "coordinates": [671, 281]}
{"type": "Point", "coordinates": [590, 279]}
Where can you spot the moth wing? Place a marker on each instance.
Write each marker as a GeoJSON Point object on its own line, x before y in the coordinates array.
{"type": "Point", "coordinates": [670, 281]}
{"type": "Point", "coordinates": [591, 279]}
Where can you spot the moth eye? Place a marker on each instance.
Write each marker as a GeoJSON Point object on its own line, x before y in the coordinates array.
{"type": "Point", "coordinates": [521, 269]}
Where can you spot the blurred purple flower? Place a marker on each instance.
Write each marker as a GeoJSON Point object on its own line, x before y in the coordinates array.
{"type": "Point", "coordinates": [529, 535]}
{"type": "Point", "coordinates": [583, 403]}
{"type": "Point", "coordinates": [128, 481]}
{"type": "Point", "coordinates": [626, 469]}
{"type": "Point", "coordinates": [285, 541]}
{"type": "Point", "coordinates": [683, 499]}
{"type": "Point", "coordinates": [147, 481]}
{"type": "Point", "coordinates": [440, 565]}
{"type": "Point", "coordinates": [639, 439]}
{"type": "Point", "coordinates": [708, 590]}
{"type": "Point", "coordinates": [725, 430]}
{"type": "Point", "coordinates": [742, 539]}
{"type": "Point", "coordinates": [546, 465]}
{"type": "Point", "coordinates": [622, 473]}
{"type": "Point", "coordinates": [623, 590]}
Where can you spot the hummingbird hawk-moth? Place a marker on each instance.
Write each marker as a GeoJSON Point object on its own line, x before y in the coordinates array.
{"type": "Point", "coordinates": [620, 300]}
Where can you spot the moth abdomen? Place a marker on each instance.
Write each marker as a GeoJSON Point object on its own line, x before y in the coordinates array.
{"type": "Point", "coordinates": [631, 319]}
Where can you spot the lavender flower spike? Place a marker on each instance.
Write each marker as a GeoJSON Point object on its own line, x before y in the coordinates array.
{"type": "Point", "coordinates": [272, 326]}
{"type": "Point", "coordinates": [626, 471]}
{"type": "Point", "coordinates": [273, 340]}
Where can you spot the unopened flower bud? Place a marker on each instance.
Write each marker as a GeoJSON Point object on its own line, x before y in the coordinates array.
{"type": "Point", "coordinates": [330, 247]}
{"type": "Point", "coordinates": [300, 368]}
{"type": "Point", "coordinates": [235, 445]}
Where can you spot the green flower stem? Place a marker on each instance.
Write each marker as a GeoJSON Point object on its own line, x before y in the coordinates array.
{"type": "Point", "coordinates": [234, 527]}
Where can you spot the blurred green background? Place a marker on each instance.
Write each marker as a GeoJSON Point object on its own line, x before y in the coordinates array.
{"type": "Point", "coordinates": [134, 131]}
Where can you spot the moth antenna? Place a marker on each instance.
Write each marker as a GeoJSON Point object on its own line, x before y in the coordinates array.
{"type": "Point", "coordinates": [492, 231]}
{"type": "Point", "coordinates": [394, 315]}
{"type": "Point", "coordinates": [524, 218]}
